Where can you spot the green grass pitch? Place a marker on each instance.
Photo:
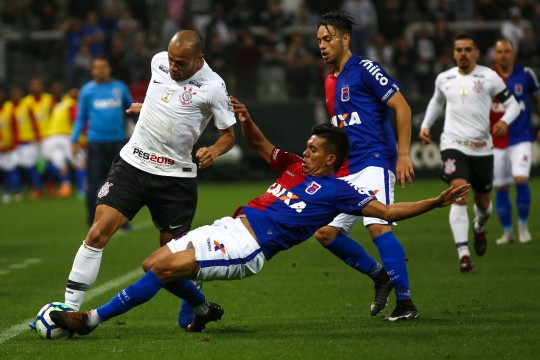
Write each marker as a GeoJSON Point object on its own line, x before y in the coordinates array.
{"type": "Point", "coordinates": [305, 304]}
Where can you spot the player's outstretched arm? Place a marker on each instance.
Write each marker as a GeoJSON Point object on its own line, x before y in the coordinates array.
{"type": "Point", "coordinates": [251, 132]}
{"type": "Point", "coordinates": [405, 210]}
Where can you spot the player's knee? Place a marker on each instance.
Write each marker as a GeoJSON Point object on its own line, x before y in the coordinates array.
{"type": "Point", "coordinates": [376, 230]}
{"type": "Point", "coordinates": [326, 234]}
{"type": "Point", "coordinates": [96, 237]}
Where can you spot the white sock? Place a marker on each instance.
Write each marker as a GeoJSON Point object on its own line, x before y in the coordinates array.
{"type": "Point", "coordinates": [83, 274]}
{"type": "Point", "coordinates": [481, 217]}
{"type": "Point", "coordinates": [459, 223]}
{"type": "Point", "coordinates": [202, 309]}
{"type": "Point", "coordinates": [93, 318]}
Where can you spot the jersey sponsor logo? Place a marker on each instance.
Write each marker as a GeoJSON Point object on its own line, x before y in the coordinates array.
{"type": "Point", "coordinates": [345, 94]}
{"type": "Point", "coordinates": [287, 197]}
{"type": "Point", "coordinates": [152, 158]}
{"type": "Point", "coordinates": [374, 70]}
{"type": "Point", "coordinates": [479, 86]}
{"type": "Point", "coordinates": [104, 190]}
{"type": "Point", "coordinates": [313, 188]}
{"type": "Point", "coordinates": [342, 120]}
{"type": "Point", "coordinates": [186, 98]}
{"type": "Point", "coordinates": [449, 166]}
{"type": "Point", "coordinates": [220, 247]}
{"type": "Point", "coordinates": [195, 83]}
{"type": "Point", "coordinates": [164, 68]}
{"type": "Point", "coordinates": [101, 104]}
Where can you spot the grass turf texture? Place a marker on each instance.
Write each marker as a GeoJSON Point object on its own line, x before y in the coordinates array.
{"type": "Point", "coordinates": [304, 304]}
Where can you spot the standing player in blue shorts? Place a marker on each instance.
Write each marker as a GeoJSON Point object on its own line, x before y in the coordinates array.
{"type": "Point", "coordinates": [512, 153]}
{"type": "Point", "coordinates": [306, 196]}
{"type": "Point", "coordinates": [359, 96]}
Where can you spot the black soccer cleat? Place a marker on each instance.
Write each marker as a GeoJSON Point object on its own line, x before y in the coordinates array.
{"type": "Point", "coordinates": [215, 312]}
{"type": "Point", "coordinates": [480, 242]}
{"type": "Point", "coordinates": [380, 301]}
{"type": "Point", "coordinates": [72, 321]}
{"type": "Point", "coordinates": [405, 310]}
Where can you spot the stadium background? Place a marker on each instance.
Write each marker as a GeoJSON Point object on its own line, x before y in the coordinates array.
{"type": "Point", "coordinates": [265, 50]}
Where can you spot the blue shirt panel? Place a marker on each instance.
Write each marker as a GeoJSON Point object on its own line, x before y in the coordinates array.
{"type": "Point", "coordinates": [364, 87]}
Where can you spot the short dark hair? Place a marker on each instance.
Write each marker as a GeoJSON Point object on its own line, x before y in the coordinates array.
{"type": "Point", "coordinates": [466, 36]}
{"type": "Point", "coordinates": [336, 142]}
{"type": "Point", "coordinates": [341, 20]}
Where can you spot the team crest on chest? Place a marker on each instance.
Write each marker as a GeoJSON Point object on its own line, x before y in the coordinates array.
{"type": "Point", "coordinates": [186, 98]}
{"type": "Point", "coordinates": [518, 89]}
{"type": "Point", "coordinates": [449, 166]}
{"type": "Point", "coordinates": [313, 188]}
{"type": "Point", "coordinates": [478, 86]}
{"type": "Point", "coordinates": [345, 94]}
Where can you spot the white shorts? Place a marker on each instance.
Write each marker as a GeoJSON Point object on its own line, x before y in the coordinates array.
{"type": "Point", "coordinates": [224, 250]}
{"type": "Point", "coordinates": [380, 182]}
{"type": "Point", "coordinates": [27, 154]}
{"type": "Point", "coordinates": [514, 161]}
{"type": "Point", "coordinates": [57, 149]}
{"type": "Point", "coordinates": [8, 160]}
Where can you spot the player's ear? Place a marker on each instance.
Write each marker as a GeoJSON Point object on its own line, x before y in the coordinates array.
{"type": "Point", "coordinates": [346, 39]}
{"type": "Point", "coordinates": [330, 159]}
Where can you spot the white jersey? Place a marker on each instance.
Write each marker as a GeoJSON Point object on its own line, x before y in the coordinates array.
{"type": "Point", "coordinates": [173, 116]}
{"type": "Point", "coordinates": [468, 102]}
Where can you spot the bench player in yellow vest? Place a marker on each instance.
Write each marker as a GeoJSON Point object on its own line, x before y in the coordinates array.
{"type": "Point", "coordinates": [56, 144]}
{"type": "Point", "coordinates": [38, 104]}
{"type": "Point", "coordinates": [27, 150]}
{"type": "Point", "coordinates": [8, 143]}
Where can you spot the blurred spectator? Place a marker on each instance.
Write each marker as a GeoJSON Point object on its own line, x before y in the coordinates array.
{"type": "Point", "coordinates": [380, 51]}
{"type": "Point", "coordinates": [218, 55]}
{"type": "Point", "coordinates": [487, 10]}
{"type": "Point", "coordinates": [82, 64]}
{"type": "Point", "coordinates": [218, 26]}
{"type": "Point", "coordinates": [272, 83]}
{"type": "Point", "coordinates": [391, 20]}
{"type": "Point", "coordinates": [403, 62]}
{"type": "Point", "coordinates": [176, 12]}
{"type": "Point", "coordinates": [512, 29]}
{"type": "Point", "coordinates": [365, 17]}
{"type": "Point", "coordinates": [442, 37]}
{"type": "Point", "coordinates": [93, 35]}
{"type": "Point", "coordinates": [299, 68]}
{"type": "Point", "coordinates": [45, 12]}
{"type": "Point", "coordinates": [304, 16]}
{"type": "Point", "coordinates": [120, 63]}
{"type": "Point", "coordinates": [10, 17]}
{"type": "Point", "coordinates": [247, 58]}
{"type": "Point", "coordinates": [529, 48]}
{"type": "Point", "coordinates": [274, 17]}
{"type": "Point", "coordinates": [109, 22]}
{"type": "Point", "coordinates": [425, 58]}
{"type": "Point", "coordinates": [442, 12]}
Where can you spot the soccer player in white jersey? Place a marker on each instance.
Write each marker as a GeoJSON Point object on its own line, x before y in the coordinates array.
{"type": "Point", "coordinates": [466, 145]}
{"type": "Point", "coordinates": [155, 167]}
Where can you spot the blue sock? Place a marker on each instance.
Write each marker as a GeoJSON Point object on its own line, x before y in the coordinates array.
{"type": "Point", "coordinates": [523, 201]}
{"type": "Point", "coordinates": [393, 259]}
{"type": "Point", "coordinates": [504, 208]}
{"type": "Point", "coordinates": [137, 293]}
{"type": "Point", "coordinates": [354, 255]}
{"type": "Point", "coordinates": [185, 289]}
{"type": "Point", "coordinates": [12, 182]}
{"type": "Point", "coordinates": [51, 172]}
{"type": "Point", "coordinates": [35, 179]}
{"type": "Point", "coordinates": [80, 180]}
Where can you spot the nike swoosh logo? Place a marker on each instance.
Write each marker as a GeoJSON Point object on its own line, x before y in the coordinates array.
{"type": "Point", "coordinates": [175, 227]}
{"type": "Point", "coordinates": [157, 82]}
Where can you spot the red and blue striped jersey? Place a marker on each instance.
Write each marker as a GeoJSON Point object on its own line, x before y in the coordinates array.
{"type": "Point", "coordinates": [296, 205]}
{"type": "Point", "coordinates": [356, 101]}
{"type": "Point", "coordinates": [523, 84]}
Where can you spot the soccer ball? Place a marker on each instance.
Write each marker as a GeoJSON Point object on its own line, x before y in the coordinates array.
{"type": "Point", "coordinates": [46, 327]}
